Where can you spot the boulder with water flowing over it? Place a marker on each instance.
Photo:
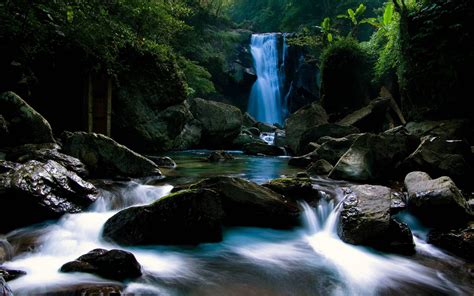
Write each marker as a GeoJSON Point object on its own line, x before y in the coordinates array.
{"type": "Point", "coordinates": [114, 264]}
{"type": "Point", "coordinates": [301, 121]}
{"type": "Point", "coordinates": [259, 148]}
{"type": "Point", "coordinates": [6, 250]}
{"type": "Point", "coordinates": [437, 202]}
{"type": "Point", "coordinates": [4, 288]}
{"type": "Point", "coordinates": [220, 122]}
{"type": "Point", "coordinates": [458, 241]}
{"type": "Point", "coordinates": [46, 189]}
{"type": "Point", "coordinates": [373, 157]}
{"type": "Point", "coordinates": [184, 218]}
{"type": "Point", "coordinates": [23, 123]}
{"type": "Point", "coordinates": [329, 129]}
{"type": "Point", "coordinates": [248, 204]}
{"type": "Point", "coordinates": [106, 158]}
{"type": "Point", "coordinates": [10, 274]}
{"type": "Point", "coordinates": [294, 189]}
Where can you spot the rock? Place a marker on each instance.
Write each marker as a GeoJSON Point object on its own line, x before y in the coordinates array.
{"type": "Point", "coordinates": [328, 129]}
{"type": "Point", "coordinates": [397, 239]}
{"type": "Point", "coordinates": [163, 161]}
{"type": "Point", "coordinates": [184, 218]}
{"type": "Point", "coordinates": [398, 202]}
{"type": "Point", "coordinates": [221, 123]}
{"type": "Point", "coordinates": [333, 149]}
{"type": "Point", "coordinates": [304, 160]}
{"type": "Point", "coordinates": [217, 156]}
{"type": "Point", "coordinates": [265, 127]}
{"type": "Point", "coordinates": [280, 138]}
{"type": "Point", "coordinates": [254, 131]}
{"type": "Point", "coordinates": [6, 250]}
{"type": "Point", "coordinates": [304, 87]}
{"type": "Point", "coordinates": [436, 202]}
{"type": "Point", "coordinates": [248, 120]}
{"type": "Point", "coordinates": [447, 129]}
{"type": "Point", "coordinates": [459, 242]}
{"type": "Point", "coordinates": [6, 166]}
{"type": "Point", "coordinates": [294, 189]}
{"type": "Point", "coordinates": [369, 118]}
{"type": "Point", "coordinates": [106, 158]}
{"type": "Point", "coordinates": [441, 157]}
{"type": "Point", "coordinates": [244, 139]}
{"type": "Point", "coordinates": [259, 148]}
{"type": "Point", "coordinates": [4, 289]}
{"type": "Point", "coordinates": [301, 121]}
{"type": "Point", "coordinates": [45, 152]}
{"type": "Point", "coordinates": [365, 214]}
{"type": "Point", "coordinates": [248, 204]}
{"type": "Point", "coordinates": [320, 167]}
{"type": "Point", "coordinates": [46, 189]}
{"type": "Point", "coordinates": [25, 125]}
{"type": "Point", "coordinates": [10, 275]}
{"type": "Point", "coordinates": [84, 289]}
{"type": "Point", "coordinates": [373, 157]}
{"type": "Point", "coordinates": [114, 264]}
{"type": "Point", "coordinates": [189, 137]}
{"type": "Point", "coordinates": [4, 134]}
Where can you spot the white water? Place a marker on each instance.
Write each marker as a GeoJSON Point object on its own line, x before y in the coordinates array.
{"type": "Point", "coordinates": [269, 138]}
{"type": "Point", "coordinates": [265, 103]}
{"type": "Point", "coordinates": [265, 261]}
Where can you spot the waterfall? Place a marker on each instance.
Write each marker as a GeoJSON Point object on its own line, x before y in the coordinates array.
{"type": "Point", "coordinates": [265, 102]}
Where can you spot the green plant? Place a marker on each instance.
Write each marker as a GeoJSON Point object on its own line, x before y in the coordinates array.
{"type": "Point", "coordinates": [356, 19]}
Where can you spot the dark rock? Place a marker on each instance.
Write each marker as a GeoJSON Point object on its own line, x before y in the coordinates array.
{"type": "Point", "coordinates": [294, 189]}
{"type": "Point", "coordinates": [397, 239]}
{"type": "Point", "coordinates": [106, 158]}
{"type": "Point", "coordinates": [320, 167]}
{"type": "Point", "coordinates": [10, 275]}
{"type": "Point", "coordinates": [248, 204]}
{"type": "Point", "coordinates": [301, 121]}
{"type": "Point", "coordinates": [6, 250]}
{"type": "Point", "coordinates": [4, 288]}
{"type": "Point", "coordinates": [280, 138]}
{"type": "Point", "coordinates": [304, 160]}
{"type": "Point", "coordinates": [436, 202]}
{"type": "Point", "coordinates": [265, 127]}
{"type": "Point", "coordinates": [216, 156]}
{"type": "Point", "coordinates": [329, 129]}
{"type": "Point", "coordinates": [243, 139]}
{"type": "Point", "coordinates": [259, 148]}
{"type": "Point", "coordinates": [447, 129]}
{"type": "Point", "coordinates": [106, 289]}
{"type": "Point", "coordinates": [4, 134]}
{"type": "Point", "coordinates": [369, 118]}
{"type": "Point", "coordinates": [46, 189]}
{"type": "Point", "coordinates": [6, 166]}
{"type": "Point", "coordinates": [189, 137]}
{"type": "Point", "coordinates": [373, 157]}
{"type": "Point", "coordinates": [332, 150]}
{"type": "Point", "coordinates": [163, 161]}
{"type": "Point", "coordinates": [25, 125]}
{"type": "Point", "coordinates": [248, 120]}
{"type": "Point", "coordinates": [254, 131]}
{"type": "Point", "coordinates": [186, 217]}
{"type": "Point", "coordinates": [114, 264]}
{"type": "Point", "coordinates": [365, 214]}
{"type": "Point", "coordinates": [459, 242]}
{"type": "Point", "coordinates": [398, 202]}
{"type": "Point", "coordinates": [304, 88]}
{"type": "Point", "coordinates": [221, 123]}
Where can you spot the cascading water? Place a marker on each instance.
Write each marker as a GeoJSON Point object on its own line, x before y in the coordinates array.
{"type": "Point", "coordinates": [265, 102]}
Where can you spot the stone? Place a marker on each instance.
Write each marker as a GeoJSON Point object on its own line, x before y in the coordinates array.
{"type": "Point", "coordinates": [329, 129]}
{"type": "Point", "coordinates": [301, 121]}
{"type": "Point", "coordinates": [248, 120]}
{"type": "Point", "coordinates": [447, 129]}
{"type": "Point", "coordinates": [4, 288]}
{"type": "Point", "coordinates": [259, 148]}
{"type": "Point", "coordinates": [243, 139]}
{"type": "Point", "coordinates": [368, 118]}
{"type": "Point", "coordinates": [397, 239]}
{"type": "Point", "coordinates": [437, 202]}
{"type": "Point", "coordinates": [265, 127]}
{"type": "Point", "coordinates": [163, 161]}
{"type": "Point", "coordinates": [373, 157]}
{"type": "Point", "coordinates": [294, 189]}
{"type": "Point", "coordinates": [187, 217]}
{"type": "Point", "coordinates": [280, 138]}
{"type": "Point", "coordinates": [10, 274]}
{"type": "Point", "coordinates": [320, 167]}
{"type": "Point", "coordinates": [189, 137]}
{"type": "Point", "coordinates": [6, 250]}
{"type": "Point", "coordinates": [459, 241]}
{"type": "Point", "coordinates": [333, 149]}
{"type": "Point", "coordinates": [46, 189]}
{"type": "Point", "coordinates": [106, 158]}
{"type": "Point", "coordinates": [217, 156]}
{"type": "Point", "coordinates": [221, 123]}
{"type": "Point", "coordinates": [27, 125]}
{"type": "Point", "coordinates": [365, 214]}
{"type": "Point", "coordinates": [114, 264]}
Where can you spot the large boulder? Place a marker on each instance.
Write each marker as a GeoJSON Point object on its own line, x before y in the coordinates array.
{"type": "Point", "coordinates": [294, 189]}
{"type": "Point", "coordinates": [6, 250]}
{"type": "Point", "coordinates": [334, 148]}
{"type": "Point", "coordinates": [320, 167]}
{"type": "Point", "coordinates": [329, 129]}
{"type": "Point", "coordinates": [106, 158]}
{"type": "Point", "coordinates": [448, 129]}
{"type": "Point", "coordinates": [23, 123]}
{"type": "Point", "coordinates": [301, 121]}
{"type": "Point", "coordinates": [262, 148]}
{"type": "Point", "coordinates": [46, 189]}
{"type": "Point", "coordinates": [248, 204]}
{"type": "Point", "coordinates": [248, 120]}
{"type": "Point", "coordinates": [114, 264]}
{"type": "Point", "coordinates": [459, 242]}
{"type": "Point", "coordinates": [373, 157]}
{"type": "Point", "coordinates": [189, 137]}
{"type": "Point", "coordinates": [436, 202]}
{"type": "Point", "coordinates": [221, 123]}
{"type": "Point", "coordinates": [185, 217]}
{"type": "Point", "coordinates": [368, 118]}
{"type": "Point", "coordinates": [10, 274]}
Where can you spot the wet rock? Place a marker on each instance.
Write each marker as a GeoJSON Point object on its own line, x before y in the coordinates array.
{"type": "Point", "coordinates": [114, 264]}
{"type": "Point", "coordinates": [245, 139]}
{"type": "Point", "coordinates": [25, 125]}
{"type": "Point", "coordinates": [4, 288]}
{"type": "Point", "coordinates": [436, 202]}
{"type": "Point", "coordinates": [373, 157]}
{"type": "Point", "coordinates": [258, 148]}
{"type": "Point", "coordinates": [254, 131]}
{"type": "Point", "coordinates": [447, 129]}
{"type": "Point", "coordinates": [301, 121]}
{"type": "Point", "coordinates": [265, 127]}
{"type": "Point", "coordinates": [46, 189]}
{"type": "Point", "coordinates": [302, 161]}
{"type": "Point", "coordinates": [320, 167]}
{"type": "Point", "coordinates": [248, 204]}
{"type": "Point", "coordinates": [189, 137]}
{"type": "Point", "coordinates": [368, 118]}
{"type": "Point", "coordinates": [248, 120]}
{"type": "Point", "coordinates": [397, 239]}
{"type": "Point", "coordinates": [10, 274]}
{"type": "Point", "coordinates": [365, 214]}
{"type": "Point", "coordinates": [329, 129]}
{"type": "Point", "coordinates": [6, 250]}
{"type": "Point", "coordinates": [184, 218]}
{"type": "Point", "coordinates": [280, 138]}
{"type": "Point", "coordinates": [398, 202]}
{"type": "Point", "coordinates": [106, 289]}
{"type": "Point", "coordinates": [217, 156]}
{"type": "Point", "coordinates": [221, 123]}
{"type": "Point", "coordinates": [4, 134]}
{"type": "Point", "coordinates": [6, 166]}
{"type": "Point", "coordinates": [163, 161]}
{"type": "Point", "coordinates": [459, 242]}
{"type": "Point", "coordinates": [294, 188]}
{"type": "Point", "coordinates": [333, 149]}
{"type": "Point", "coordinates": [106, 158]}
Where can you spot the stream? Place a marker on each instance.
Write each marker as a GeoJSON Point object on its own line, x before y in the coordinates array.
{"type": "Point", "coordinates": [309, 260]}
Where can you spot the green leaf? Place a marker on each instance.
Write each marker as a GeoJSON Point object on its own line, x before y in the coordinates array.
{"type": "Point", "coordinates": [360, 10]}
{"type": "Point", "coordinates": [388, 14]}
{"type": "Point", "coordinates": [326, 24]}
{"type": "Point", "coordinates": [69, 14]}
{"type": "Point", "coordinates": [330, 38]}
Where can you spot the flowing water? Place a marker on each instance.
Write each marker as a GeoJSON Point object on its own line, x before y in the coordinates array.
{"type": "Point", "coordinates": [265, 102]}
{"type": "Point", "coordinates": [310, 260]}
